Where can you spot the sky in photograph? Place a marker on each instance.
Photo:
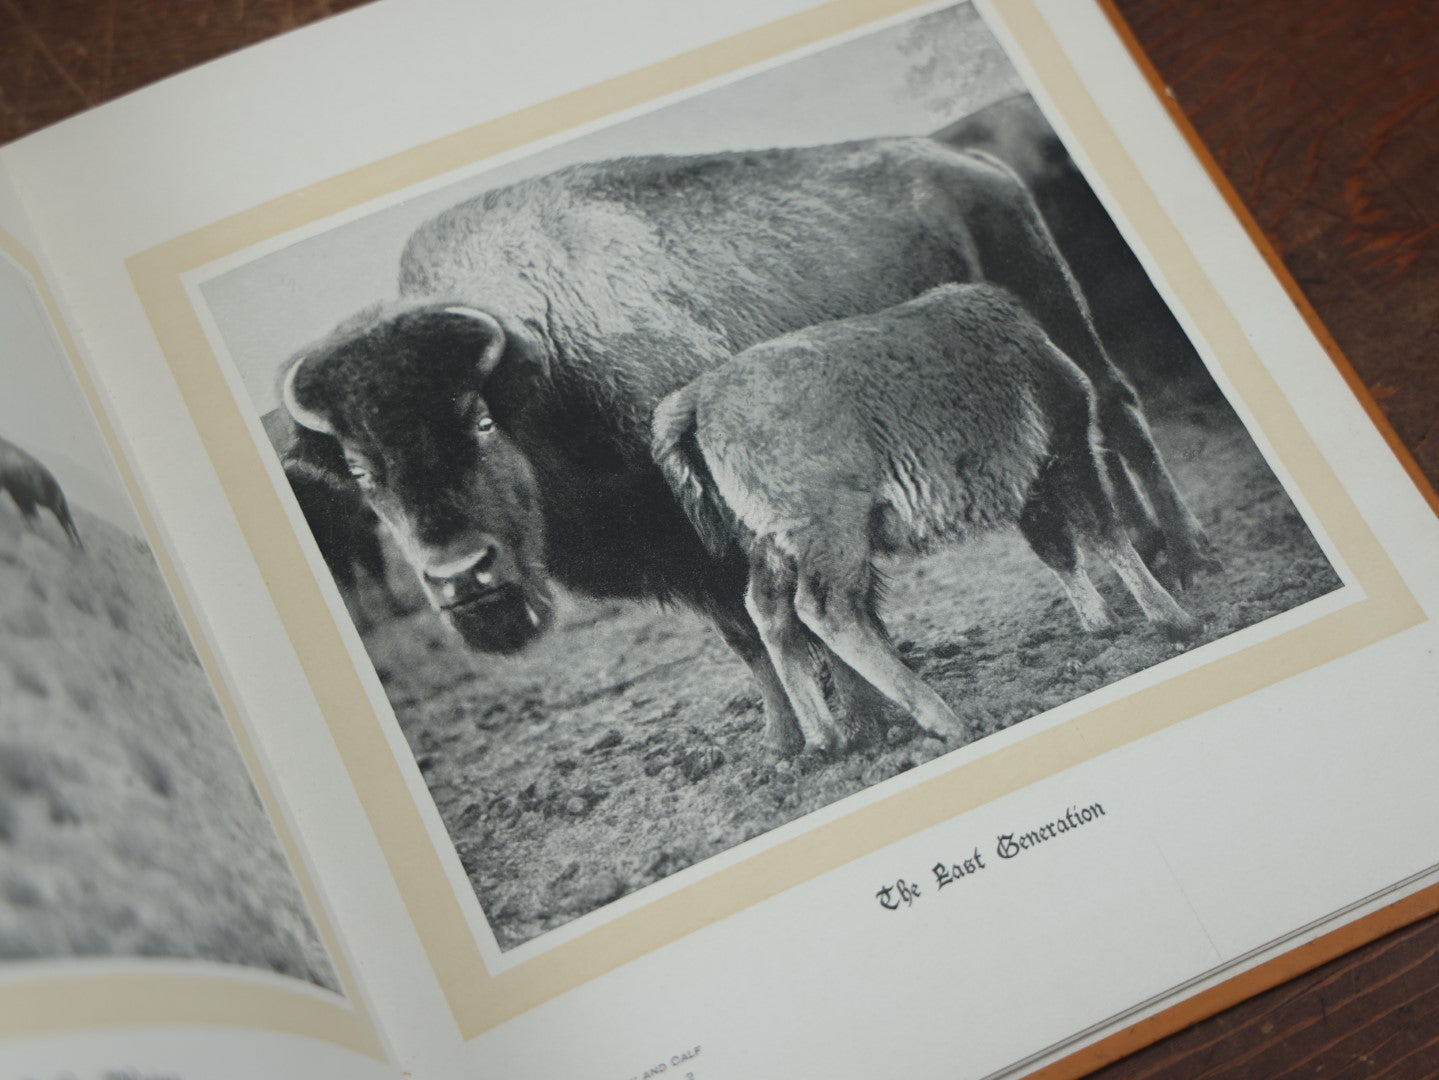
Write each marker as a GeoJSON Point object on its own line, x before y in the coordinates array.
{"type": "Point", "coordinates": [909, 79]}
{"type": "Point", "coordinates": [43, 410]}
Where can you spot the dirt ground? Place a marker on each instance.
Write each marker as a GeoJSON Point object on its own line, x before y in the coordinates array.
{"type": "Point", "coordinates": [128, 824]}
{"type": "Point", "coordinates": [627, 744]}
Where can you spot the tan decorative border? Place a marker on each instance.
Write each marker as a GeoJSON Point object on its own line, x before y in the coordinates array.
{"type": "Point", "coordinates": [46, 998]}
{"type": "Point", "coordinates": [481, 1000]}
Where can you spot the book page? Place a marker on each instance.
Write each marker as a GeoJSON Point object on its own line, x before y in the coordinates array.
{"type": "Point", "coordinates": [145, 878]}
{"type": "Point", "coordinates": [635, 714]}
{"type": "Point", "coordinates": [607, 858]}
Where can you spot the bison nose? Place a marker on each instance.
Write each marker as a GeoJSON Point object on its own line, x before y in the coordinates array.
{"type": "Point", "coordinates": [466, 577]}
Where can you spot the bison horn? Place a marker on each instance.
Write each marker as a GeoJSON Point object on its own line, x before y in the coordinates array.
{"type": "Point", "coordinates": [496, 345]}
{"type": "Point", "coordinates": [306, 418]}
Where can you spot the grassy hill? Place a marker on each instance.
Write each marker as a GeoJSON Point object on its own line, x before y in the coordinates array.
{"type": "Point", "coordinates": [128, 824]}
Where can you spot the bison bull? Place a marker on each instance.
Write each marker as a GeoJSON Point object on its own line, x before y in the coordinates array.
{"type": "Point", "coordinates": [498, 416]}
{"type": "Point", "coordinates": [892, 433]}
{"type": "Point", "coordinates": [32, 485]}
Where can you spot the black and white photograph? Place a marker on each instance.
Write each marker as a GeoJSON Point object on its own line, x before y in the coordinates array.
{"type": "Point", "coordinates": [693, 474]}
{"type": "Point", "coordinates": [129, 825]}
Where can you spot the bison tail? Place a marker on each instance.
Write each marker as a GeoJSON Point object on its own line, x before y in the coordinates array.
{"type": "Point", "coordinates": [676, 451]}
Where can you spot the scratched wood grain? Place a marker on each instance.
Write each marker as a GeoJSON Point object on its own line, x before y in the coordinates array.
{"type": "Point", "coordinates": [1324, 115]}
{"type": "Point", "coordinates": [58, 57]}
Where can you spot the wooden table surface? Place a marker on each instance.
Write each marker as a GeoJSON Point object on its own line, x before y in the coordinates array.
{"type": "Point", "coordinates": [1325, 117]}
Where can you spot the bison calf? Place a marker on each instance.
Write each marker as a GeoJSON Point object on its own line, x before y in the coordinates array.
{"type": "Point", "coordinates": [347, 533]}
{"type": "Point", "coordinates": [892, 433]}
{"type": "Point", "coordinates": [32, 485]}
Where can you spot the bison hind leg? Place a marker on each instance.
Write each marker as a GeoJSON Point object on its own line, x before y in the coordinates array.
{"type": "Point", "coordinates": [769, 600]}
{"type": "Point", "coordinates": [782, 732]}
{"type": "Point", "coordinates": [835, 599]}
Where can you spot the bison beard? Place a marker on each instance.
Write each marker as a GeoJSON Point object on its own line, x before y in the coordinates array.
{"type": "Point", "coordinates": [500, 620]}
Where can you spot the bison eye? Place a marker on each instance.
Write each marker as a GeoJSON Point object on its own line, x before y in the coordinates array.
{"type": "Point", "coordinates": [484, 424]}
{"type": "Point", "coordinates": [361, 473]}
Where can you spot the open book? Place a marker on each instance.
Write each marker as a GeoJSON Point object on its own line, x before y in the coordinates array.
{"type": "Point", "coordinates": [713, 541]}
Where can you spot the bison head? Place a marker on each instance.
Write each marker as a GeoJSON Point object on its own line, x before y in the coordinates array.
{"type": "Point", "coordinates": [398, 401]}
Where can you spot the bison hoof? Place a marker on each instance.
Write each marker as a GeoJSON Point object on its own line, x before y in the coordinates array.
{"type": "Point", "coordinates": [860, 727]}
{"type": "Point", "coordinates": [1185, 565]}
{"type": "Point", "coordinates": [1149, 543]}
{"type": "Point", "coordinates": [811, 758]}
{"type": "Point", "coordinates": [942, 723]}
{"type": "Point", "coordinates": [783, 736]}
{"type": "Point", "coordinates": [827, 740]}
{"type": "Point", "coordinates": [1185, 629]}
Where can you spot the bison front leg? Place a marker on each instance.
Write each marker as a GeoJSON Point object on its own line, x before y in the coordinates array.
{"type": "Point", "coordinates": [1187, 549]}
{"type": "Point", "coordinates": [861, 707]}
{"type": "Point", "coordinates": [1070, 498]}
{"type": "Point", "coordinates": [1046, 526]}
{"type": "Point", "coordinates": [1144, 531]}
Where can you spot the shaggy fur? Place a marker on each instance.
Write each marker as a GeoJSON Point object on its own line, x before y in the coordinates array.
{"type": "Point", "coordinates": [32, 485]}
{"type": "Point", "coordinates": [893, 433]}
{"type": "Point", "coordinates": [614, 284]}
